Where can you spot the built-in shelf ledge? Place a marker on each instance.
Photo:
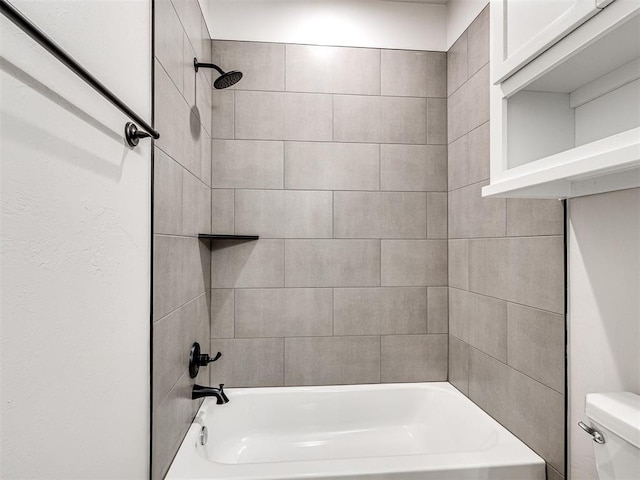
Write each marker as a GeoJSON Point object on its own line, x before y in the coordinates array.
{"type": "Point", "coordinates": [225, 236]}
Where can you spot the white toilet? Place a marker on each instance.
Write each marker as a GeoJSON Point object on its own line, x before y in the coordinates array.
{"type": "Point", "coordinates": [615, 429]}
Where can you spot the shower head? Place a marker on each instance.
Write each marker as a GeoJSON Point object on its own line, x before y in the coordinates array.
{"type": "Point", "coordinates": [225, 80]}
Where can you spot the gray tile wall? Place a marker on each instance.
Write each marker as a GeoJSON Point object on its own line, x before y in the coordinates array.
{"type": "Point", "coordinates": [506, 273]}
{"type": "Point", "coordinates": [337, 158]}
{"type": "Point", "coordinates": [182, 209]}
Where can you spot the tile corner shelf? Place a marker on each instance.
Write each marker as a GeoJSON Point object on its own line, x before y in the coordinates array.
{"type": "Point", "coordinates": [225, 236]}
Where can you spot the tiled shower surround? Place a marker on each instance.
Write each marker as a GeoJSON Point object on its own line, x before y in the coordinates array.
{"type": "Point", "coordinates": [182, 209]}
{"type": "Point", "coordinates": [506, 274]}
{"type": "Point", "coordinates": [378, 259]}
{"type": "Point", "coordinates": [337, 158]}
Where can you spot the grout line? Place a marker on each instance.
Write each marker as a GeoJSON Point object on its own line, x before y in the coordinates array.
{"type": "Point", "coordinates": [344, 94]}
{"type": "Point", "coordinates": [327, 141]}
{"type": "Point", "coordinates": [506, 301]}
{"type": "Point", "coordinates": [511, 368]}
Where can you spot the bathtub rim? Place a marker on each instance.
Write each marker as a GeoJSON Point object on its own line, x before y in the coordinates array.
{"type": "Point", "coordinates": [511, 453]}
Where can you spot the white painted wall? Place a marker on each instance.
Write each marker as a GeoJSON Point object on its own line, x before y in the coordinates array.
{"type": "Point", "coordinates": [351, 23]}
{"type": "Point", "coordinates": [604, 308]}
{"type": "Point", "coordinates": [75, 246]}
{"type": "Point", "coordinates": [411, 25]}
{"type": "Point", "coordinates": [460, 14]}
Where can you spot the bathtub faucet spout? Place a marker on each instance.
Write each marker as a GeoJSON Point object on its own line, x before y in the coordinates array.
{"type": "Point", "coordinates": [199, 391]}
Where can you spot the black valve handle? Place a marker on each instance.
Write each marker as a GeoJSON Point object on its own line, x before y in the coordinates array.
{"type": "Point", "coordinates": [197, 359]}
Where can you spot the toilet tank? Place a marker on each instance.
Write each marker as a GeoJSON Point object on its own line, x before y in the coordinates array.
{"type": "Point", "coordinates": [617, 417]}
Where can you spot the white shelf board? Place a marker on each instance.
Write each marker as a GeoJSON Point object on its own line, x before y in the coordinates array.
{"type": "Point", "coordinates": [612, 163]}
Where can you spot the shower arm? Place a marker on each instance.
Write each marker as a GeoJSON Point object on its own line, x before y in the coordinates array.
{"type": "Point", "coordinates": [197, 65]}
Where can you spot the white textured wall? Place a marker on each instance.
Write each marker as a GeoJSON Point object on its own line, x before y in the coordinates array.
{"type": "Point", "coordinates": [351, 23]}
{"type": "Point", "coordinates": [75, 246]}
{"type": "Point", "coordinates": [604, 308]}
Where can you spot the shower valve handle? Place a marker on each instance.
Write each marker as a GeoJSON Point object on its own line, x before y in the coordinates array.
{"type": "Point", "coordinates": [204, 359]}
{"type": "Point", "coordinates": [197, 359]}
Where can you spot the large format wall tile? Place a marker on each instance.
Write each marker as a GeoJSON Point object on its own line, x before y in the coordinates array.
{"type": "Point", "coordinates": [251, 264]}
{"type": "Point", "coordinates": [262, 64]}
{"type": "Point", "coordinates": [534, 217]}
{"type": "Point", "coordinates": [380, 215]}
{"type": "Point", "coordinates": [459, 264]}
{"type": "Point", "coordinates": [414, 358]}
{"type": "Point", "coordinates": [479, 153]}
{"type": "Point", "coordinates": [284, 213]}
{"type": "Point", "coordinates": [332, 263]}
{"type": "Point", "coordinates": [470, 215]}
{"type": "Point", "coordinates": [357, 119]}
{"type": "Point", "coordinates": [173, 336]}
{"type": "Point", "coordinates": [283, 312]}
{"type": "Point", "coordinates": [332, 360]}
{"type": "Point", "coordinates": [539, 418]}
{"type": "Point", "coordinates": [222, 312]}
{"type": "Point", "coordinates": [196, 206]}
{"type": "Point", "coordinates": [436, 121]}
{"type": "Point", "coordinates": [173, 117]}
{"type": "Point", "coordinates": [414, 74]}
{"type": "Point", "coordinates": [535, 344]}
{"type": "Point", "coordinates": [457, 64]}
{"type": "Point", "coordinates": [379, 311]}
{"type": "Point", "coordinates": [222, 214]}
{"type": "Point", "coordinates": [222, 113]}
{"type": "Point", "coordinates": [421, 168]}
{"type": "Point", "coordinates": [479, 321]}
{"type": "Point", "coordinates": [171, 418]}
{"type": "Point", "coordinates": [437, 310]}
{"type": "Point", "coordinates": [248, 362]}
{"type": "Point", "coordinates": [528, 270]}
{"type": "Point", "coordinates": [437, 221]}
{"type": "Point", "coordinates": [167, 185]}
{"type": "Point", "coordinates": [478, 43]}
{"type": "Point", "coordinates": [283, 116]}
{"type": "Point", "coordinates": [506, 295]}
{"type": "Point", "coordinates": [168, 46]}
{"type": "Point", "coordinates": [331, 166]}
{"type": "Point", "coordinates": [380, 119]}
{"type": "Point", "coordinates": [477, 98]}
{"type": "Point", "coordinates": [459, 364]}
{"type": "Point", "coordinates": [458, 163]}
{"type": "Point", "coordinates": [247, 164]}
{"type": "Point", "coordinates": [333, 69]}
{"type": "Point", "coordinates": [414, 262]}
{"type": "Point", "coordinates": [180, 272]}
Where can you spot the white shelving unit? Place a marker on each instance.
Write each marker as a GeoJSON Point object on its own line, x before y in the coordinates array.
{"type": "Point", "coordinates": [568, 123]}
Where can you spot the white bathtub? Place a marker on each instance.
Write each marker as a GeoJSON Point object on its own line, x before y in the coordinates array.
{"type": "Point", "coordinates": [424, 431]}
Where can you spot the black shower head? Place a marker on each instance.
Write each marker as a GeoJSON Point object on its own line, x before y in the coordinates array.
{"type": "Point", "coordinates": [225, 80]}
